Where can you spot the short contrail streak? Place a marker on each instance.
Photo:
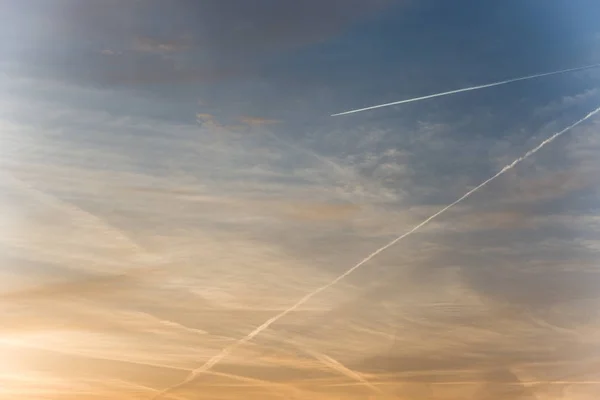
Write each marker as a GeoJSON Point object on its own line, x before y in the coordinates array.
{"type": "Point", "coordinates": [468, 89]}
{"type": "Point", "coordinates": [227, 350]}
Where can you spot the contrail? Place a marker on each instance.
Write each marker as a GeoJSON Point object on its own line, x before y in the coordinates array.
{"type": "Point", "coordinates": [336, 366]}
{"type": "Point", "coordinates": [468, 89]}
{"type": "Point", "coordinates": [80, 215]}
{"type": "Point", "coordinates": [341, 368]}
{"type": "Point", "coordinates": [227, 350]}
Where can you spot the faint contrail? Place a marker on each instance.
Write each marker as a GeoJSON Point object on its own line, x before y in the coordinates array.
{"type": "Point", "coordinates": [78, 213]}
{"type": "Point", "coordinates": [336, 366]}
{"type": "Point", "coordinates": [341, 368]}
{"type": "Point", "coordinates": [227, 350]}
{"type": "Point", "coordinates": [468, 89]}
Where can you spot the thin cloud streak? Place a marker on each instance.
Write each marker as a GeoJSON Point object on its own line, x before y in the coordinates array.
{"type": "Point", "coordinates": [227, 350]}
{"type": "Point", "coordinates": [339, 367]}
{"type": "Point", "coordinates": [79, 214]}
{"type": "Point", "coordinates": [468, 89]}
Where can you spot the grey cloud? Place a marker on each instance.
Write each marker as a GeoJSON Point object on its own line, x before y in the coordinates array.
{"type": "Point", "coordinates": [154, 41]}
{"type": "Point", "coordinates": [150, 45]}
{"type": "Point", "coordinates": [271, 24]}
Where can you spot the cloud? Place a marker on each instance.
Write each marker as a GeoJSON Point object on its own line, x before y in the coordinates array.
{"type": "Point", "coordinates": [493, 220]}
{"type": "Point", "coordinates": [322, 212]}
{"type": "Point", "coordinates": [550, 186]}
{"type": "Point", "coordinates": [206, 118]}
{"type": "Point", "coordinates": [246, 224]}
{"type": "Point", "coordinates": [133, 70]}
{"type": "Point", "coordinates": [213, 123]}
{"type": "Point", "coordinates": [150, 45]}
{"type": "Point", "coordinates": [109, 52]}
{"type": "Point", "coordinates": [524, 201]}
{"type": "Point", "coordinates": [99, 286]}
{"type": "Point", "coordinates": [567, 102]}
{"type": "Point", "coordinates": [272, 24]}
{"type": "Point", "coordinates": [257, 121]}
{"type": "Point", "coordinates": [211, 39]}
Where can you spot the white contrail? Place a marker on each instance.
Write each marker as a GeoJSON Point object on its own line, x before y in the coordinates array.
{"type": "Point", "coordinates": [468, 89]}
{"type": "Point", "coordinates": [227, 350]}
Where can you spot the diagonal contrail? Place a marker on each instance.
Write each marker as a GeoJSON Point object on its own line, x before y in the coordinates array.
{"type": "Point", "coordinates": [80, 215]}
{"type": "Point", "coordinates": [227, 350]}
{"type": "Point", "coordinates": [341, 368]}
{"type": "Point", "coordinates": [468, 89]}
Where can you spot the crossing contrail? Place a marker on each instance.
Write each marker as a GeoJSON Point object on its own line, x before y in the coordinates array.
{"type": "Point", "coordinates": [468, 89]}
{"type": "Point", "coordinates": [227, 350]}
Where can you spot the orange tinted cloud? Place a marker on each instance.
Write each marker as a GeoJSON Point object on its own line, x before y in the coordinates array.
{"type": "Point", "coordinates": [257, 121]}
{"type": "Point", "coordinates": [101, 285]}
{"type": "Point", "coordinates": [322, 211]}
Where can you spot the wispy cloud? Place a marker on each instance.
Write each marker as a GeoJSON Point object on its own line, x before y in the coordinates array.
{"type": "Point", "coordinates": [144, 230]}
{"type": "Point", "coordinates": [233, 38]}
{"type": "Point", "coordinates": [150, 45]}
{"type": "Point", "coordinates": [257, 121]}
{"type": "Point", "coordinates": [322, 212]}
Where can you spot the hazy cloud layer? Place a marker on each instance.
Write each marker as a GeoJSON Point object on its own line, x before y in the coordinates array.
{"type": "Point", "coordinates": [148, 42]}
{"type": "Point", "coordinates": [146, 228]}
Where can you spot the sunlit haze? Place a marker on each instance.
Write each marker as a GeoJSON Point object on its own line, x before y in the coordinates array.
{"type": "Point", "coordinates": [279, 199]}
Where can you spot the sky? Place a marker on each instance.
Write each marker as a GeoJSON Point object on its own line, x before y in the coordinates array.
{"type": "Point", "coordinates": [171, 178]}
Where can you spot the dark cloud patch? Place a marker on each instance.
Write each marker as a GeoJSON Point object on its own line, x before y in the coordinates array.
{"type": "Point", "coordinates": [153, 41]}
{"type": "Point", "coordinates": [248, 28]}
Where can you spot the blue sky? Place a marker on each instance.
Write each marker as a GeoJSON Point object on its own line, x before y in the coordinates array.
{"type": "Point", "coordinates": [173, 178]}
